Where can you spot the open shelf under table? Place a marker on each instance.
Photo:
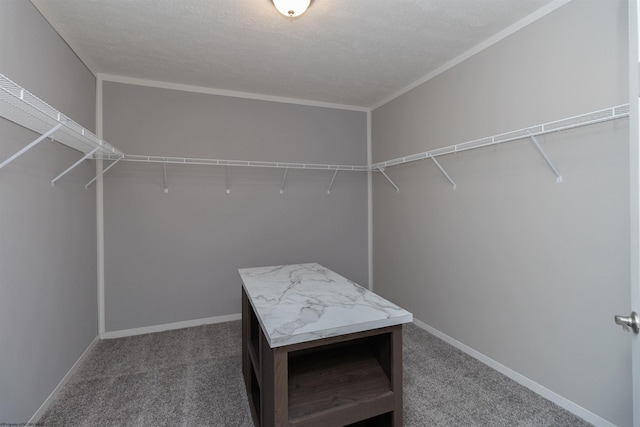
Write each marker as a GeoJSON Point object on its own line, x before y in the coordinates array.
{"type": "Point", "coordinates": [347, 380]}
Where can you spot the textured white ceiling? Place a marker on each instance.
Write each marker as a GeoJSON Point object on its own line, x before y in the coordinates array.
{"type": "Point", "coordinates": [350, 52]}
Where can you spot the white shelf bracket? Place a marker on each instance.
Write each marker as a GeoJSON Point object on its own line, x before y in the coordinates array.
{"type": "Point", "coordinates": [164, 171]}
{"type": "Point", "coordinates": [332, 179]}
{"type": "Point", "coordinates": [228, 178]}
{"type": "Point", "coordinates": [546, 158]}
{"type": "Point", "coordinates": [284, 179]}
{"type": "Point", "coordinates": [73, 166]}
{"type": "Point", "coordinates": [443, 171]}
{"type": "Point", "coordinates": [103, 172]}
{"type": "Point", "coordinates": [33, 144]}
{"type": "Point", "coordinates": [389, 179]}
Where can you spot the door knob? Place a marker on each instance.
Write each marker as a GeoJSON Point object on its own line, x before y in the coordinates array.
{"type": "Point", "coordinates": [633, 322]}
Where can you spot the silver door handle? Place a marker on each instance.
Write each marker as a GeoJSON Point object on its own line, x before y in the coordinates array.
{"type": "Point", "coordinates": [632, 322]}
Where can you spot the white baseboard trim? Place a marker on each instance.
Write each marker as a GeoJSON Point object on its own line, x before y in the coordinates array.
{"type": "Point", "coordinates": [520, 379]}
{"type": "Point", "coordinates": [169, 326]}
{"type": "Point", "coordinates": [40, 412]}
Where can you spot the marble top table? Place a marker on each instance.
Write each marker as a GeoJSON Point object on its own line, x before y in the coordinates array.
{"type": "Point", "coordinates": [304, 302]}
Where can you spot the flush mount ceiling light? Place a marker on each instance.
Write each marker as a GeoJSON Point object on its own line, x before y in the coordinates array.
{"type": "Point", "coordinates": [291, 8]}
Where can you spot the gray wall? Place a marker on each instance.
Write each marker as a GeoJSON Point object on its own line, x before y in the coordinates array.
{"type": "Point", "coordinates": [173, 257]}
{"type": "Point", "coordinates": [527, 271]}
{"type": "Point", "coordinates": [48, 310]}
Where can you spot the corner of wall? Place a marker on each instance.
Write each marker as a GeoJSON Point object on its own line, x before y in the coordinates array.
{"type": "Point", "coordinates": [100, 212]}
{"type": "Point", "coordinates": [369, 202]}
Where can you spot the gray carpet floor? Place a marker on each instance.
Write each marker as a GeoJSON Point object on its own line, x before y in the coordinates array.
{"type": "Point", "coordinates": [193, 377]}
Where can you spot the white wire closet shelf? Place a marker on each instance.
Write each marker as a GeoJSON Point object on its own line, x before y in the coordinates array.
{"type": "Point", "coordinates": [599, 116]}
{"type": "Point", "coordinates": [235, 163]}
{"type": "Point", "coordinates": [594, 117]}
{"type": "Point", "coordinates": [25, 109]}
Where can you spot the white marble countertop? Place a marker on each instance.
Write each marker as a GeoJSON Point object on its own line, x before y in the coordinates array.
{"type": "Point", "coordinates": [305, 302]}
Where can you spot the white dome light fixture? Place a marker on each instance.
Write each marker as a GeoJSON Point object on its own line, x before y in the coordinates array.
{"type": "Point", "coordinates": [291, 8]}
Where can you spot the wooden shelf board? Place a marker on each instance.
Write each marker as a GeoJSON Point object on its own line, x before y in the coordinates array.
{"type": "Point", "coordinates": [336, 380]}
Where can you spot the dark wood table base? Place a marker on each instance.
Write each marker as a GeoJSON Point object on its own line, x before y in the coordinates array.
{"type": "Point", "coordinates": [346, 380]}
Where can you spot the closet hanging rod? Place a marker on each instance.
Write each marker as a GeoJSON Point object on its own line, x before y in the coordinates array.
{"type": "Point", "coordinates": [27, 110]}
{"type": "Point", "coordinates": [239, 163]}
{"type": "Point", "coordinates": [594, 117]}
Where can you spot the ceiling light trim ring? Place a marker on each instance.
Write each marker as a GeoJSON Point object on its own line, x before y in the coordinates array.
{"type": "Point", "coordinates": [291, 8]}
